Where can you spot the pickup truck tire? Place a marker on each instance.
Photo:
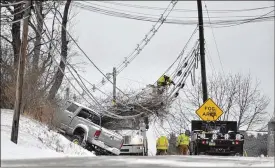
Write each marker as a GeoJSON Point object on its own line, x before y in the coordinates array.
{"type": "Point", "coordinates": [77, 139]}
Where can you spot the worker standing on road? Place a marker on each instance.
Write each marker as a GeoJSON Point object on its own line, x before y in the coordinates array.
{"type": "Point", "coordinates": [162, 145]}
{"type": "Point", "coordinates": [183, 142]}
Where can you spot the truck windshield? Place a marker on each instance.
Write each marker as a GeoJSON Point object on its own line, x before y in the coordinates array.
{"type": "Point", "coordinates": [89, 115]}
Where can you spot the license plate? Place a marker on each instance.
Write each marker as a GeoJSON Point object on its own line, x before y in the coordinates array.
{"type": "Point", "coordinates": [212, 143]}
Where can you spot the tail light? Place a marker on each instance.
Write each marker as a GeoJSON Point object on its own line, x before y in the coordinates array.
{"type": "Point", "coordinates": [97, 133]}
{"type": "Point", "coordinates": [203, 142]}
{"type": "Point", "coordinates": [122, 142]}
{"type": "Point", "coordinates": [237, 142]}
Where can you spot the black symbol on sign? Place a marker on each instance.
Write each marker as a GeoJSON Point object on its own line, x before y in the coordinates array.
{"type": "Point", "coordinates": [211, 111]}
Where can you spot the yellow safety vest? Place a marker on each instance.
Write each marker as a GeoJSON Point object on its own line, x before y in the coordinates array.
{"type": "Point", "coordinates": [183, 140]}
{"type": "Point", "coordinates": [162, 143]}
{"type": "Point", "coordinates": [162, 80]}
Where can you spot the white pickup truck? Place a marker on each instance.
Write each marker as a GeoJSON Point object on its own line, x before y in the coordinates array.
{"type": "Point", "coordinates": [83, 126]}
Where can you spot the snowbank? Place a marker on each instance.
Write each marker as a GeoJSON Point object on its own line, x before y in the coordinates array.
{"type": "Point", "coordinates": [10, 150]}
{"type": "Point", "coordinates": [35, 140]}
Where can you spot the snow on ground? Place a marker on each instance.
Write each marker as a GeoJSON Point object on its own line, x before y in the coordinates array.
{"type": "Point", "coordinates": [199, 161]}
{"type": "Point", "coordinates": [35, 140]}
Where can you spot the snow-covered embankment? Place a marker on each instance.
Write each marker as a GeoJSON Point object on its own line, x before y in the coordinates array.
{"type": "Point", "coordinates": [35, 140]}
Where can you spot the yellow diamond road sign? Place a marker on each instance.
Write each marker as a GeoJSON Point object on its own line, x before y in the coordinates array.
{"type": "Point", "coordinates": [209, 111]}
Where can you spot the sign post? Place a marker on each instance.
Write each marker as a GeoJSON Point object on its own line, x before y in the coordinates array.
{"type": "Point", "coordinates": [209, 111]}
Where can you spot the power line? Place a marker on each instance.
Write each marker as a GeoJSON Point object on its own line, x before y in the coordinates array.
{"type": "Point", "coordinates": [184, 10]}
{"type": "Point", "coordinates": [182, 81]}
{"type": "Point", "coordinates": [179, 83]}
{"type": "Point", "coordinates": [97, 67]}
{"type": "Point", "coordinates": [248, 20]}
{"type": "Point", "coordinates": [152, 32]}
{"type": "Point", "coordinates": [169, 21]}
{"type": "Point", "coordinates": [210, 59]}
{"type": "Point", "coordinates": [93, 85]}
{"type": "Point", "coordinates": [181, 65]}
{"type": "Point", "coordinates": [144, 42]}
{"type": "Point", "coordinates": [148, 14]}
{"type": "Point", "coordinates": [93, 98]}
{"type": "Point", "coordinates": [218, 52]}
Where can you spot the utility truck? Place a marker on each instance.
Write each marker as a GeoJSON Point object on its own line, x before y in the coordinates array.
{"type": "Point", "coordinates": [216, 137]}
{"type": "Point", "coordinates": [134, 143]}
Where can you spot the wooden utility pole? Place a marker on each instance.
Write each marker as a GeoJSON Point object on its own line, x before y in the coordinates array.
{"type": "Point", "coordinates": [20, 74]}
{"type": "Point", "coordinates": [114, 85]}
{"type": "Point", "coordinates": [202, 53]}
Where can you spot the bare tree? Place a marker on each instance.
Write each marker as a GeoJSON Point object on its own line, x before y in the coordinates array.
{"type": "Point", "coordinates": [40, 72]}
{"type": "Point", "coordinates": [16, 13]}
{"type": "Point", "coordinates": [237, 95]}
{"type": "Point", "coordinates": [64, 48]}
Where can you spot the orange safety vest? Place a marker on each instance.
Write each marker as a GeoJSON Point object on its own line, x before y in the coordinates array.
{"type": "Point", "coordinates": [162, 143]}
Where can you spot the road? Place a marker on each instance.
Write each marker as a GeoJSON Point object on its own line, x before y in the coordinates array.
{"type": "Point", "coordinates": [141, 162]}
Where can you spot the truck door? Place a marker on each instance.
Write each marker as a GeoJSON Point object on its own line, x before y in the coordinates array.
{"type": "Point", "coordinates": [67, 115]}
{"type": "Point", "coordinates": [81, 117]}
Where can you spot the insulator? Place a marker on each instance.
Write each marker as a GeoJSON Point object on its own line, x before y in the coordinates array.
{"type": "Point", "coordinates": [182, 85]}
{"type": "Point", "coordinates": [176, 94]}
{"type": "Point", "coordinates": [185, 64]}
{"type": "Point", "coordinates": [179, 73]}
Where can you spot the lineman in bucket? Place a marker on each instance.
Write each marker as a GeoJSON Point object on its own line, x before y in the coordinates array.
{"type": "Point", "coordinates": [163, 82]}
{"type": "Point", "coordinates": [162, 145]}
{"type": "Point", "coordinates": [183, 142]}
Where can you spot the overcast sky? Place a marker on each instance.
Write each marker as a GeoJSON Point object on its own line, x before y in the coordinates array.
{"type": "Point", "coordinates": [247, 48]}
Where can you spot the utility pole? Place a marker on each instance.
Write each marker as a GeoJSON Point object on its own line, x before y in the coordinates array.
{"type": "Point", "coordinates": [20, 74]}
{"type": "Point", "coordinates": [114, 86]}
{"type": "Point", "coordinates": [202, 53]}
